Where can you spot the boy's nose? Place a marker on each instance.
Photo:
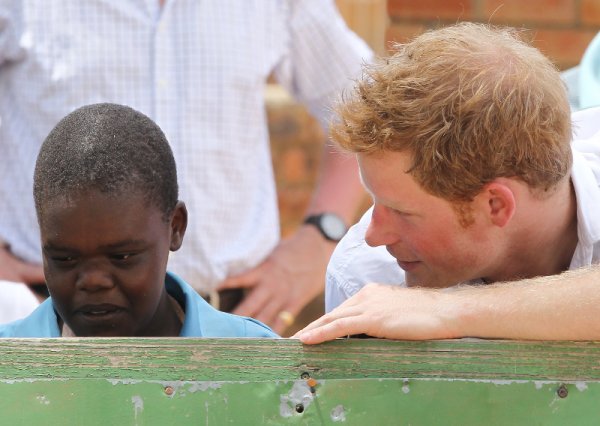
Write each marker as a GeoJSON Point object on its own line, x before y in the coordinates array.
{"type": "Point", "coordinates": [381, 230]}
{"type": "Point", "coordinates": [93, 278]}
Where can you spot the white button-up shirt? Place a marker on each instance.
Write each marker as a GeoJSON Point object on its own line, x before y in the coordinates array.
{"type": "Point", "coordinates": [16, 301]}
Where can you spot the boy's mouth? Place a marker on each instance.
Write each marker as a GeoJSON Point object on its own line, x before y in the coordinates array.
{"type": "Point", "coordinates": [99, 311]}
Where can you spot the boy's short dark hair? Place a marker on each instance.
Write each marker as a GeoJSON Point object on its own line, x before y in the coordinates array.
{"type": "Point", "coordinates": [109, 148]}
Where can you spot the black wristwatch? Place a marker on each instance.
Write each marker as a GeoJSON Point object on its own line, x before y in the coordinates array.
{"type": "Point", "coordinates": [330, 225]}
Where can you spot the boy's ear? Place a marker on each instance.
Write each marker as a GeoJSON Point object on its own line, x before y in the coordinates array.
{"type": "Point", "coordinates": [179, 219]}
{"type": "Point", "coordinates": [501, 203]}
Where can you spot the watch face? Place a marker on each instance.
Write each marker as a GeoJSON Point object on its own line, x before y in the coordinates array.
{"type": "Point", "coordinates": [333, 226]}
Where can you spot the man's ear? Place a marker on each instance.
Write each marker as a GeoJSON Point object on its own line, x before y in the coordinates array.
{"type": "Point", "coordinates": [501, 203]}
{"type": "Point", "coordinates": [179, 219]}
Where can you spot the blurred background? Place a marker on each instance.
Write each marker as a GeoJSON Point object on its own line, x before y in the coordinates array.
{"type": "Point", "coordinates": [561, 29]}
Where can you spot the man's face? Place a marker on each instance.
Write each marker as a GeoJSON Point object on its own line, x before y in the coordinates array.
{"type": "Point", "coordinates": [420, 230]}
{"type": "Point", "coordinates": [104, 260]}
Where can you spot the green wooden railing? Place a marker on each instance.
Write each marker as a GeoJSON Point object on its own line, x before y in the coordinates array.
{"type": "Point", "coordinates": [277, 382]}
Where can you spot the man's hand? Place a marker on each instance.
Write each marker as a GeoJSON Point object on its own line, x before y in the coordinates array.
{"type": "Point", "coordinates": [385, 311]}
{"type": "Point", "coordinates": [292, 275]}
{"type": "Point", "coordinates": [15, 269]}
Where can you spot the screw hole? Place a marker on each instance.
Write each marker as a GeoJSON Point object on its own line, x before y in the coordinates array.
{"type": "Point", "coordinates": [562, 391]}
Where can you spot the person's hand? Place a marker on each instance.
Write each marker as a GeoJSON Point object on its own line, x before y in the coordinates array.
{"type": "Point", "coordinates": [15, 269]}
{"type": "Point", "coordinates": [385, 311]}
{"type": "Point", "coordinates": [292, 275]}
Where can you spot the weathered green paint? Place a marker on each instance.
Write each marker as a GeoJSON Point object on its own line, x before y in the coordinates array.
{"type": "Point", "coordinates": [255, 382]}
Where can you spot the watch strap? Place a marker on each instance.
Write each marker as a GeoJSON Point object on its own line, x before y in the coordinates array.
{"type": "Point", "coordinates": [317, 221]}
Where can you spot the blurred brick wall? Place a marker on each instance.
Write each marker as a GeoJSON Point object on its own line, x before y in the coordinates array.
{"type": "Point", "coordinates": [560, 28]}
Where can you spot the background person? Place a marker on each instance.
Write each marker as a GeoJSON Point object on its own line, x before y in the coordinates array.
{"type": "Point", "coordinates": [199, 70]}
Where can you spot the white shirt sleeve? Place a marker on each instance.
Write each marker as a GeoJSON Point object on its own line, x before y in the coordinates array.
{"type": "Point", "coordinates": [354, 264]}
{"type": "Point", "coordinates": [323, 57]}
{"type": "Point", "coordinates": [16, 301]}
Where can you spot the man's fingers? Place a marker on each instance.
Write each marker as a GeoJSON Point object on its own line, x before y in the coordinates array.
{"type": "Point", "coordinates": [286, 317]}
{"type": "Point", "coordinates": [246, 280]}
{"type": "Point", "coordinates": [253, 303]}
{"type": "Point", "coordinates": [340, 327]}
{"type": "Point", "coordinates": [269, 314]}
{"type": "Point", "coordinates": [340, 313]}
{"type": "Point", "coordinates": [319, 322]}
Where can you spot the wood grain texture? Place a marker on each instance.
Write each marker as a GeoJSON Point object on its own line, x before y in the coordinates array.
{"type": "Point", "coordinates": [265, 382]}
{"type": "Point", "coordinates": [266, 359]}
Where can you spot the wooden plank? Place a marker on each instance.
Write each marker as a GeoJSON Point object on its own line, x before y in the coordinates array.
{"type": "Point", "coordinates": [260, 381]}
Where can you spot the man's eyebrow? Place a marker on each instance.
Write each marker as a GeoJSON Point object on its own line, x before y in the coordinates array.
{"type": "Point", "coordinates": [388, 203]}
{"type": "Point", "coordinates": [394, 205]}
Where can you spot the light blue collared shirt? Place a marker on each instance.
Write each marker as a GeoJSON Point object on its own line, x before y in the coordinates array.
{"type": "Point", "coordinates": [201, 319]}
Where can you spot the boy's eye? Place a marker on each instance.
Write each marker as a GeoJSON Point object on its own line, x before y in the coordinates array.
{"type": "Point", "coordinates": [125, 258]}
{"type": "Point", "coordinates": [63, 259]}
{"type": "Point", "coordinates": [122, 256]}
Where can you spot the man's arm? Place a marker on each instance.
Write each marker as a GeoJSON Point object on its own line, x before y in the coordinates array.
{"type": "Point", "coordinates": [560, 307]}
{"type": "Point", "coordinates": [16, 270]}
{"type": "Point", "coordinates": [294, 272]}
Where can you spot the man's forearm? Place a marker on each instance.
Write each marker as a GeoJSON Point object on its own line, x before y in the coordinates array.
{"type": "Point", "coordinates": [560, 307]}
{"type": "Point", "coordinates": [338, 188]}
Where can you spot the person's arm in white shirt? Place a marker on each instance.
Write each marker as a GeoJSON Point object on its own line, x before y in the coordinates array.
{"type": "Point", "coordinates": [17, 270]}
{"type": "Point", "coordinates": [560, 307]}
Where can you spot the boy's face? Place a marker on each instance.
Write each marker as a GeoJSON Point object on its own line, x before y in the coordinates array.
{"type": "Point", "coordinates": [422, 231]}
{"type": "Point", "coordinates": [105, 259]}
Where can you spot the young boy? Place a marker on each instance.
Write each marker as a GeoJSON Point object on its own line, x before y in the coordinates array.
{"type": "Point", "coordinates": [105, 190]}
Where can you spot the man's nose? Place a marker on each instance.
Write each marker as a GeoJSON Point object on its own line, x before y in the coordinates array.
{"type": "Point", "coordinates": [381, 231]}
